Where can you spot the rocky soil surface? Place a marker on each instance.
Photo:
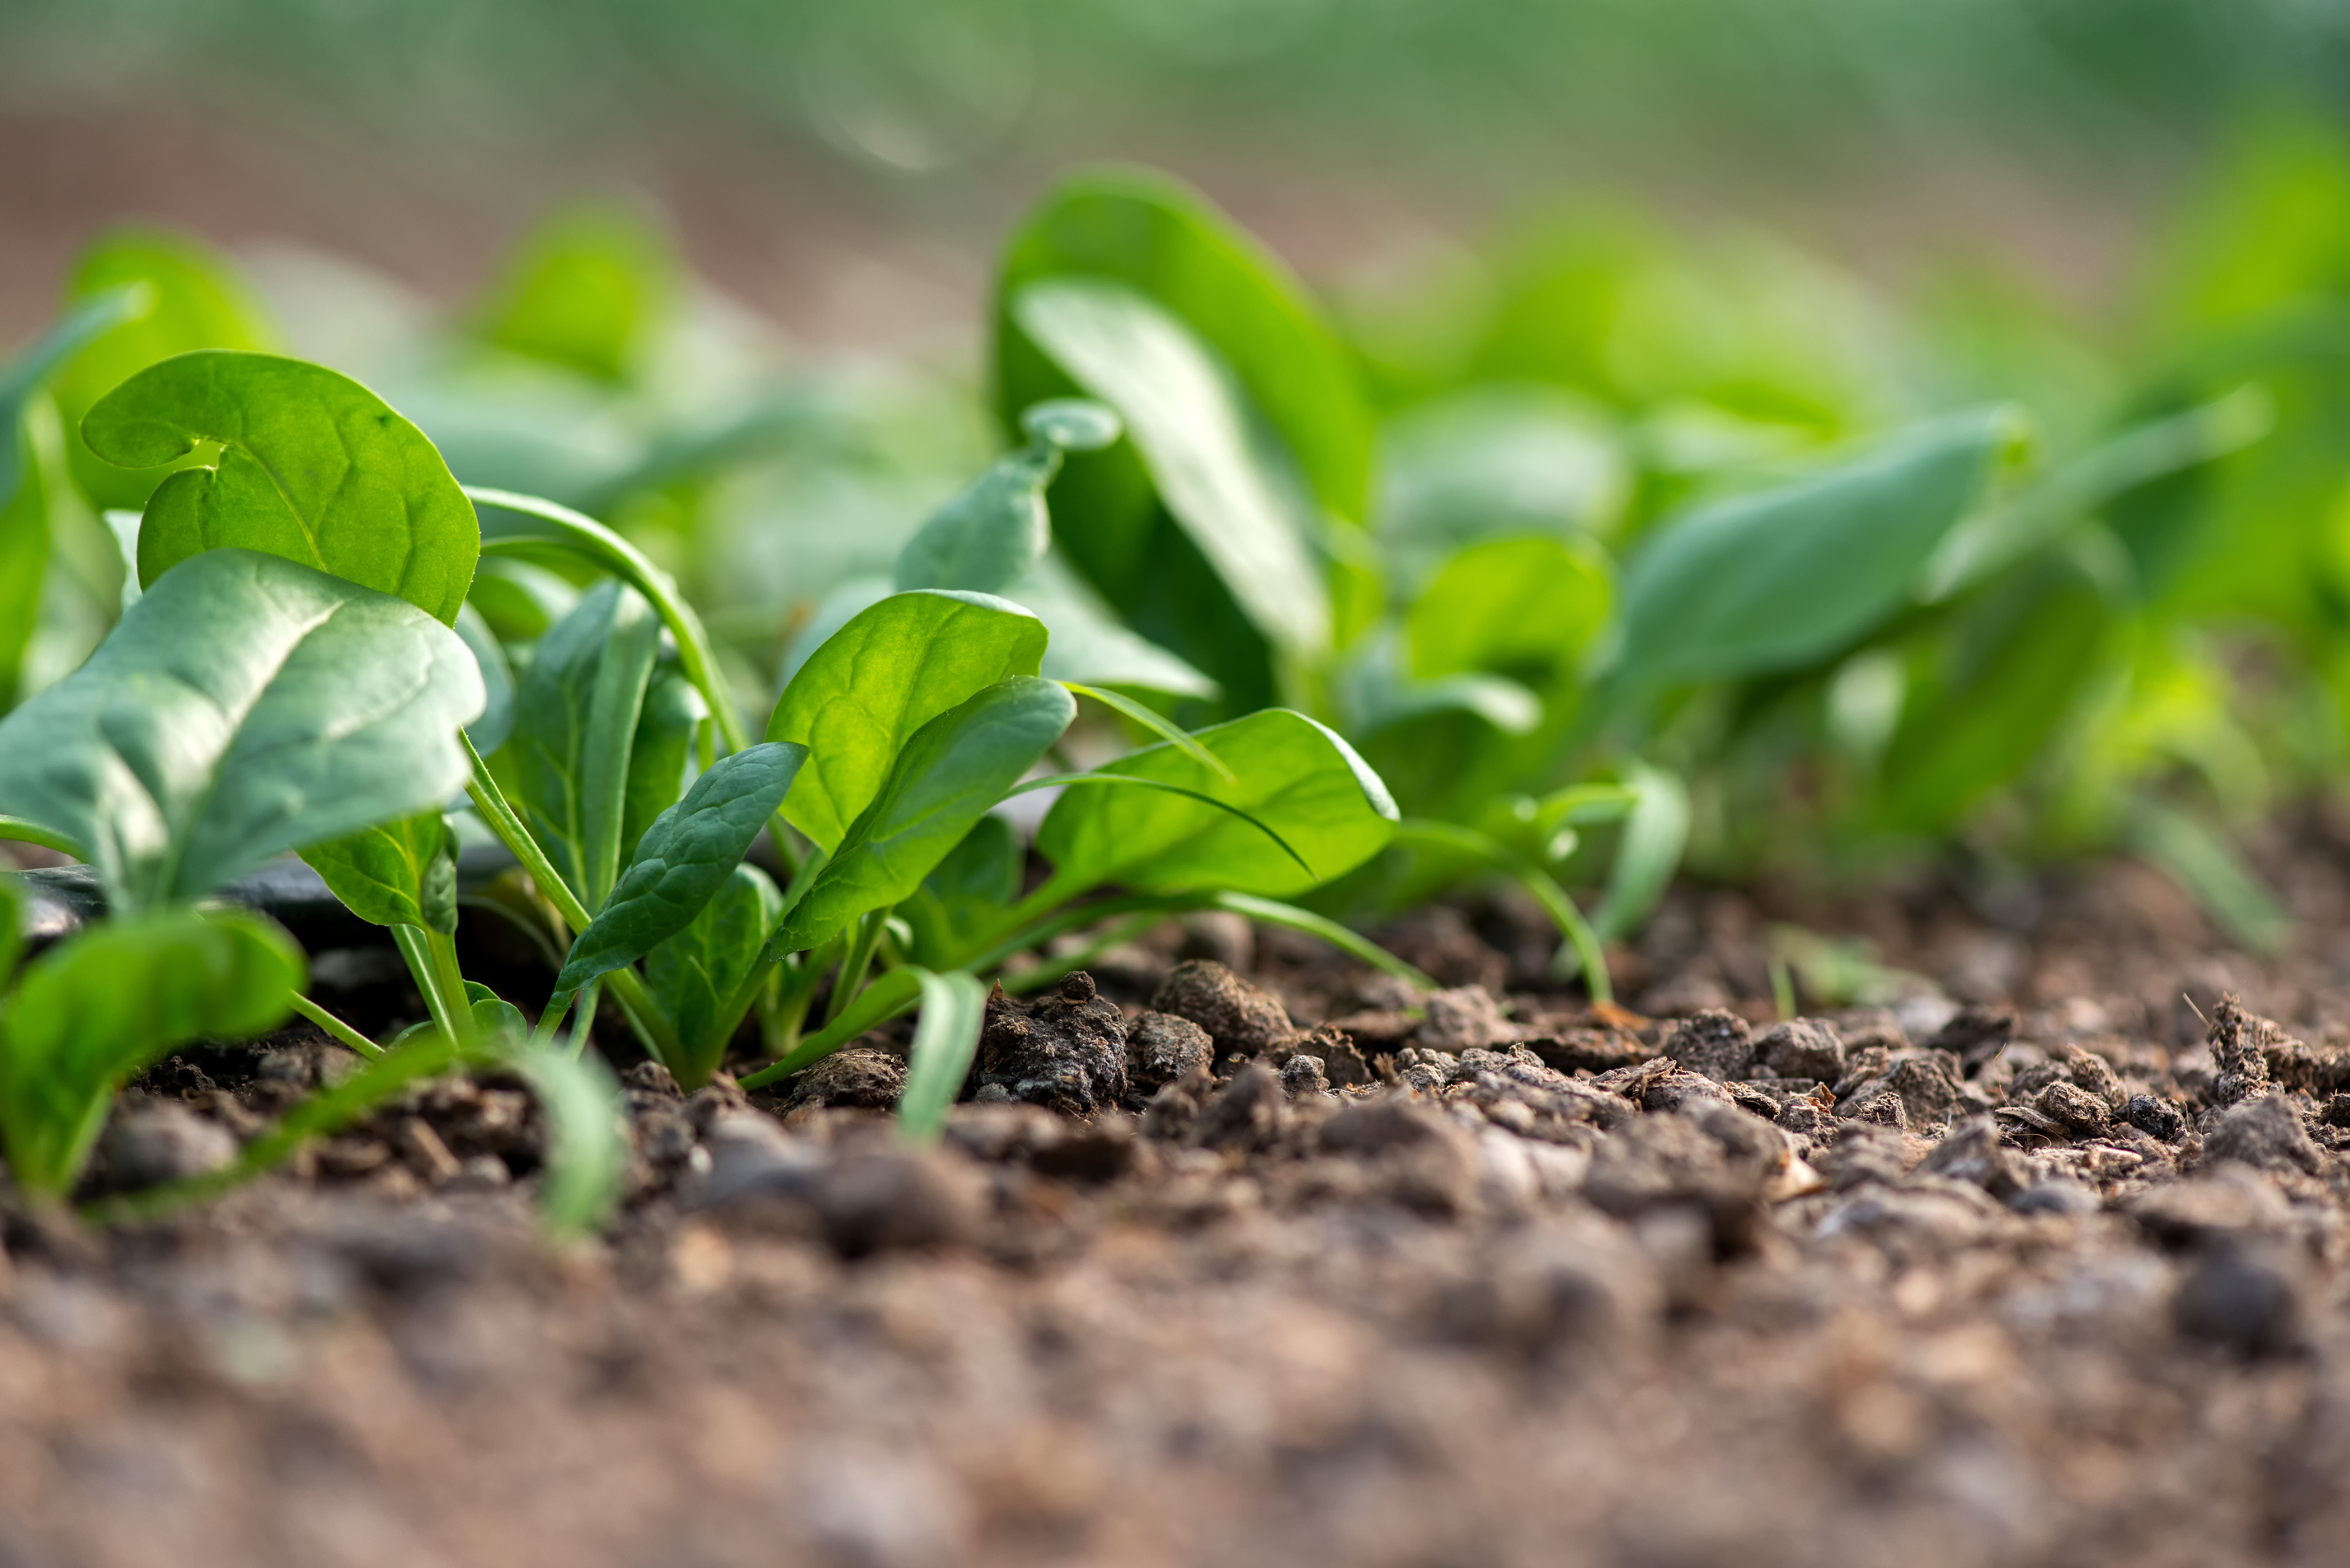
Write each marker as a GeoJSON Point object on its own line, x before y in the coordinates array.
{"type": "Point", "coordinates": [1238, 1256]}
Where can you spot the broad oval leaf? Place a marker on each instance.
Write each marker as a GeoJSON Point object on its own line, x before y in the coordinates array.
{"type": "Point", "coordinates": [1164, 240]}
{"type": "Point", "coordinates": [195, 300]}
{"type": "Point", "coordinates": [123, 994]}
{"type": "Point", "coordinates": [685, 857]}
{"type": "Point", "coordinates": [696, 974]}
{"type": "Point", "coordinates": [245, 706]}
{"type": "Point", "coordinates": [313, 467]}
{"type": "Point", "coordinates": [1225, 479]}
{"type": "Point", "coordinates": [1288, 771]}
{"type": "Point", "coordinates": [892, 669]}
{"type": "Point", "coordinates": [951, 773]}
{"type": "Point", "coordinates": [397, 873]}
{"type": "Point", "coordinates": [1784, 578]}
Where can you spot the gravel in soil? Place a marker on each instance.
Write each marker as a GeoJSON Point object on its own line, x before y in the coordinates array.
{"type": "Point", "coordinates": [2041, 1263]}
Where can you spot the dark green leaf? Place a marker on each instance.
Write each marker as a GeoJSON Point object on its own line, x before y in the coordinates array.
{"type": "Point", "coordinates": [890, 670]}
{"type": "Point", "coordinates": [551, 768]}
{"type": "Point", "coordinates": [399, 873]}
{"type": "Point", "coordinates": [1287, 770]}
{"type": "Point", "coordinates": [965, 893]}
{"type": "Point", "coordinates": [946, 1038]}
{"type": "Point", "coordinates": [195, 300]}
{"type": "Point", "coordinates": [1164, 240]}
{"type": "Point", "coordinates": [1784, 578]}
{"type": "Point", "coordinates": [669, 737]}
{"type": "Point", "coordinates": [685, 857]}
{"type": "Point", "coordinates": [951, 772]}
{"type": "Point", "coordinates": [695, 975]}
{"type": "Point", "coordinates": [1225, 478]}
{"type": "Point", "coordinates": [247, 705]}
{"type": "Point", "coordinates": [122, 993]}
{"type": "Point", "coordinates": [313, 467]}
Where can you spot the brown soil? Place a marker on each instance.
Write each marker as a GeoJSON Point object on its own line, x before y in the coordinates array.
{"type": "Point", "coordinates": [1493, 1279]}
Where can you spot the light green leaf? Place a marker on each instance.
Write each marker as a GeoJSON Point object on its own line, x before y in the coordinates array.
{"type": "Point", "coordinates": [587, 289]}
{"type": "Point", "coordinates": [489, 731]}
{"type": "Point", "coordinates": [313, 467]}
{"type": "Point", "coordinates": [398, 873]}
{"type": "Point", "coordinates": [987, 537]}
{"type": "Point", "coordinates": [586, 1136]}
{"type": "Point", "coordinates": [1784, 578]}
{"type": "Point", "coordinates": [946, 1038]}
{"type": "Point", "coordinates": [669, 732]}
{"type": "Point", "coordinates": [119, 995]}
{"type": "Point", "coordinates": [685, 857]}
{"type": "Point", "coordinates": [950, 773]}
{"type": "Point", "coordinates": [697, 975]}
{"type": "Point", "coordinates": [1509, 606]}
{"type": "Point", "coordinates": [1654, 833]}
{"type": "Point", "coordinates": [1288, 771]}
{"type": "Point", "coordinates": [195, 299]}
{"type": "Point", "coordinates": [1224, 479]}
{"type": "Point", "coordinates": [247, 705]}
{"type": "Point", "coordinates": [890, 670]}
{"type": "Point", "coordinates": [1089, 644]}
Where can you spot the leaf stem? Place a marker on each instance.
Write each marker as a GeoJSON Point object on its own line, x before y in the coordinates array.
{"type": "Point", "coordinates": [450, 1014]}
{"type": "Point", "coordinates": [851, 979]}
{"type": "Point", "coordinates": [491, 802]}
{"type": "Point", "coordinates": [343, 1032]}
{"type": "Point", "coordinates": [18, 830]}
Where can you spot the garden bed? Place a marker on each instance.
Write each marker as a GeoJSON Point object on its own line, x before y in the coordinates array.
{"type": "Point", "coordinates": [1523, 1294]}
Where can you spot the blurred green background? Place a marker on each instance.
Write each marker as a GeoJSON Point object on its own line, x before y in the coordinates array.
{"type": "Point", "coordinates": [723, 273]}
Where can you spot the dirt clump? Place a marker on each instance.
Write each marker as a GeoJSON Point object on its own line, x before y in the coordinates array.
{"type": "Point", "coordinates": [1066, 1053]}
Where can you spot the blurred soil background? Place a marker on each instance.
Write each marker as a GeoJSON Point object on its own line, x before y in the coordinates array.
{"type": "Point", "coordinates": [847, 171]}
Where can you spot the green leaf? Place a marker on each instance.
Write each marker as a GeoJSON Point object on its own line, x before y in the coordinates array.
{"type": "Point", "coordinates": [313, 467]}
{"type": "Point", "coordinates": [1995, 686]}
{"type": "Point", "coordinates": [1288, 771]}
{"type": "Point", "coordinates": [1225, 478]}
{"type": "Point", "coordinates": [33, 468]}
{"type": "Point", "coordinates": [685, 857]}
{"type": "Point", "coordinates": [489, 731]}
{"type": "Point", "coordinates": [946, 1038]}
{"type": "Point", "coordinates": [1089, 644]}
{"type": "Point", "coordinates": [965, 893]}
{"type": "Point", "coordinates": [890, 670]}
{"type": "Point", "coordinates": [987, 537]}
{"type": "Point", "coordinates": [668, 739]}
{"type": "Point", "coordinates": [398, 873]}
{"type": "Point", "coordinates": [891, 992]}
{"type": "Point", "coordinates": [2205, 863]}
{"type": "Point", "coordinates": [565, 767]}
{"type": "Point", "coordinates": [1650, 852]}
{"type": "Point", "coordinates": [587, 289]}
{"type": "Point", "coordinates": [1162, 239]}
{"type": "Point", "coordinates": [515, 524]}
{"type": "Point", "coordinates": [698, 974]}
{"type": "Point", "coordinates": [586, 1137]}
{"type": "Point", "coordinates": [1784, 578]}
{"type": "Point", "coordinates": [195, 299]}
{"type": "Point", "coordinates": [120, 994]}
{"type": "Point", "coordinates": [497, 1022]}
{"type": "Point", "coordinates": [951, 772]}
{"type": "Point", "coordinates": [245, 706]}
{"type": "Point", "coordinates": [1510, 606]}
